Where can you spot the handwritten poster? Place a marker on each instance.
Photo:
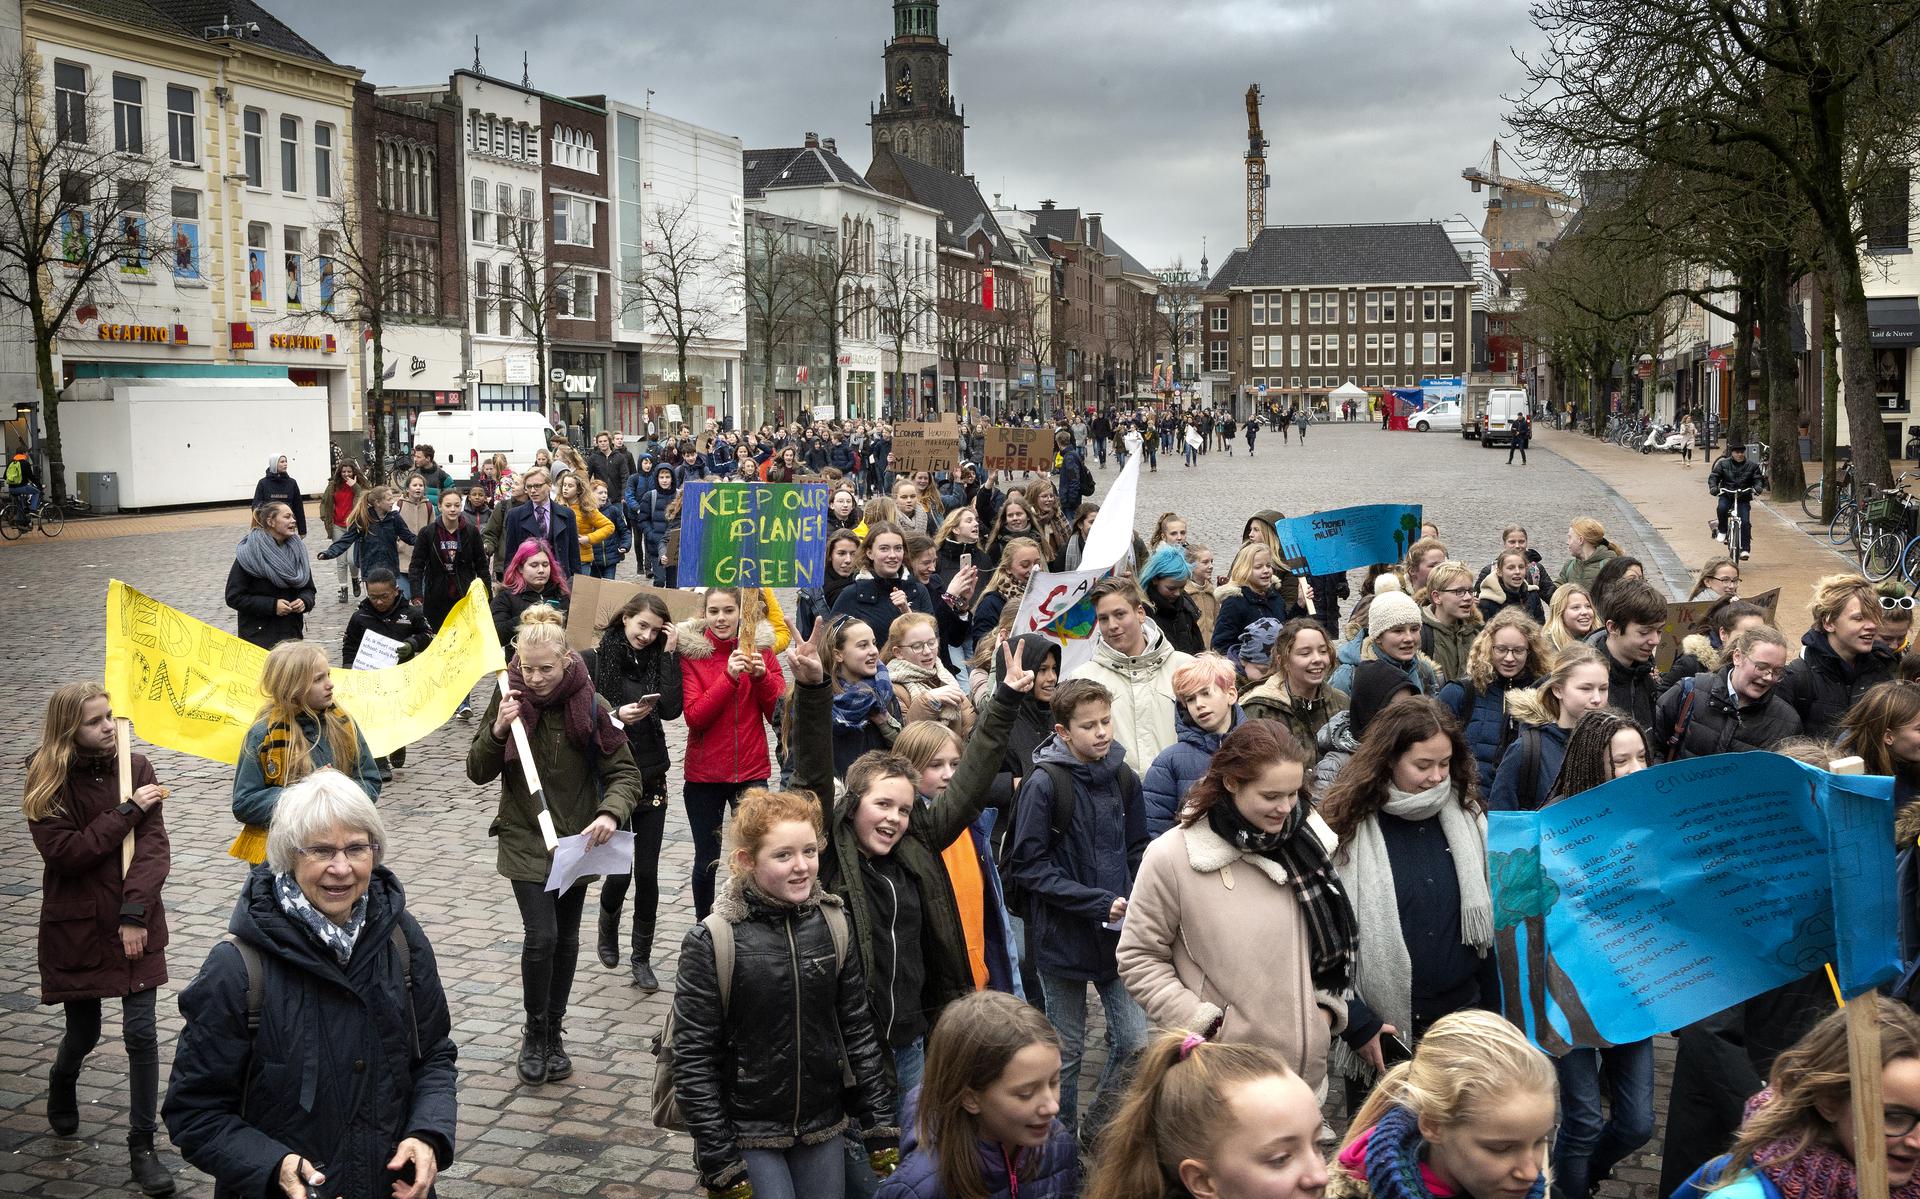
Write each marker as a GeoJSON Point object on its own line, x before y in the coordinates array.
{"type": "Point", "coordinates": [1018, 449]}
{"type": "Point", "coordinates": [1684, 619]}
{"type": "Point", "coordinates": [1663, 897]}
{"type": "Point", "coordinates": [1347, 538]}
{"type": "Point", "coordinates": [926, 445]}
{"type": "Point", "coordinates": [753, 535]}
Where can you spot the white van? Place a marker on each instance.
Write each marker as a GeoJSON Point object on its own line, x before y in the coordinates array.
{"type": "Point", "coordinates": [1496, 420]}
{"type": "Point", "coordinates": [456, 435]}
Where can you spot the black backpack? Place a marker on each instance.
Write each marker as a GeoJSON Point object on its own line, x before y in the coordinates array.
{"type": "Point", "coordinates": [1060, 815]}
{"type": "Point", "coordinates": [1086, 476]}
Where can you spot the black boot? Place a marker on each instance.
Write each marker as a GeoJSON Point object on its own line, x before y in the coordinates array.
{"type": "Point", "coordinates": [643, 976]}
{"type": "Point", "coordinates": [533, 1052]}
{"type": "Point", "coordinates": [63, 1103]}
{"type": "Point", "coordinates": [609, 940]}
{"type": "Point", "coordinates": [148, 1172]}
{"type": "Point", "coordinates": [559, 1065]}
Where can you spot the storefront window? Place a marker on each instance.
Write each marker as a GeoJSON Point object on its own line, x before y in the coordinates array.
{"type": "Point", "coordinates": [1890, 379]}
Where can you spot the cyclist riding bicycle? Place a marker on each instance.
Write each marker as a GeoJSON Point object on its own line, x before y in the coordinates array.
{"type": "Point", "coordinates": [1735, 479]}
{"type": "Point", "coordinates": [20, 481]}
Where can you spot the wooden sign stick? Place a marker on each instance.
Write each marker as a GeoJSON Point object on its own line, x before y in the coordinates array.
{"type": "Point", "coordinates": [531, 773]}
{"type": "Point", "coordinates": [1863, 1059]}
{"type": "Point", "coordinates": [123, 750]}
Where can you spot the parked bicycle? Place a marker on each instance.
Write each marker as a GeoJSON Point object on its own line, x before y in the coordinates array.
{"type": "Point", "coordinates": [17, 520]}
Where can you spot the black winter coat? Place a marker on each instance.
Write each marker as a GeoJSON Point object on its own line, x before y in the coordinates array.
{"type": "Point", "coordinates": [402, 622]}
{"type": "Point", "coordinates": [336, 1073]}
{"type": "Point", "coordinates": [768, 1072]}
{"type": "Point", "coordinates": [1634, 689]}
{"type": "Point", "coordinates": [508, 605]}
{"type": "Point", "coordinates": [254, 599]}
{"type": "Point", "coordinates": [622, 678]}
{"type": "Point", "coordinates": [1179, 622]}
{"type": "Point", "coordinates": [279, 485]}
{"type": "Point", "coordinates": [870, 600]}
{"type": "Point", "coordinates": [1716, 723]}
{"type": "Point", "coordinates": [1821, 687]}
{"type": "Point", "coordinates": [436, 588]}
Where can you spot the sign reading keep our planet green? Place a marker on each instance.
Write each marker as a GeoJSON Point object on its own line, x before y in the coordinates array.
{"type": "Point", "coordinates": [753, 535]}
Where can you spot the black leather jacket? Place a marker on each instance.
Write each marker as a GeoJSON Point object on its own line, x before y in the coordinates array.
{"type": "Point", "coordinates": [1728, 475]}
{"type": "Point", "coordinates": [768, 1072]}
{"type": "Point", "coordinates": [1716, 724]}
{"type": "Point", "coordinates": [1821, 687]}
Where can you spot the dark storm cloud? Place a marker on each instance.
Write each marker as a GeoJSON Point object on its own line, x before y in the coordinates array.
{"type": "Point", "coordinates": [1130, 107]}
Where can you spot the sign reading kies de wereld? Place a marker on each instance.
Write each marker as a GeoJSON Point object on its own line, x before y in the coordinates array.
{"type": "Point", "coordinates": [753, 535]}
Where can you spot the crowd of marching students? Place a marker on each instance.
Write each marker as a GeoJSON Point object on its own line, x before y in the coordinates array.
{"type": "Point", "coordinates": [1251, 828]}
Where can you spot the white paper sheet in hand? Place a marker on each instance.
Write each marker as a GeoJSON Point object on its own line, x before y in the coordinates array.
{"type": "Point", "coordinates": [573, 861]}
{"type": "Point", "coordinates": [376, 652]}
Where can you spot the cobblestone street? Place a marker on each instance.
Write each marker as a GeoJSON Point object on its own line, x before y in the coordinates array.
{"type": "Point", "coordinates": [590, 1135]}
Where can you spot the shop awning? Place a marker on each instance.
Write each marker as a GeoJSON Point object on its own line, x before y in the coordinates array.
{"type": "Point", "coordinates": [1894, 321]}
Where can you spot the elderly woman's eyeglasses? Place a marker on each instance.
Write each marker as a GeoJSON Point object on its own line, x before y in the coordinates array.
{"type": "Point", "coordinates": [359, 853]}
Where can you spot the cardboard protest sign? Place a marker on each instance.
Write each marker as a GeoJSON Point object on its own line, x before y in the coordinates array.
{"type": "Point", "coordinates": [753, 534]}
{"type": "Point", "coordinates": [926, 445]}
{"type": "Point", "coordinates": [1018, 449]}
{"type": "Point", "coordinates": [196, 689]}
{"type": "Point", "coordinates": [594, 601]}
{"type": "Point", "coordinates": [1347, 538]}
{"type": "Point", "coordinates": [1665, 896]}
{"type": "Point", "coordinates": [1688, 618]}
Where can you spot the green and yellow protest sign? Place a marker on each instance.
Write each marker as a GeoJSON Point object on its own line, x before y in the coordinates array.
{"type": "Point", "coordinates": [753, 535]}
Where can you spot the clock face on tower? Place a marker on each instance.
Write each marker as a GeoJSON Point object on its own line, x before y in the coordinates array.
{"type": "Point", "coordinates": [903, 84]}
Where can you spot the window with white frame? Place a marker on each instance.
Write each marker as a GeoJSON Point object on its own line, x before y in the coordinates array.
{"type": "Point", "coordinates": [186, 234]}
{"type": "Point", "coordinates": [1406, 306]}
{"type": "Point", "coordinates": [182, 125]}
{"type": "Point", "coordinates": [1217, 356]}
{"type": "Point", "coordinates": [326, 269]}
{"type": "Point", "coordinates": [289, 154]}
{"type": "Point", "coordinates": [477, 201]}
{"type": "Point", "coordinates": [129, 114]}
{"type": "Point", "coordinates": [293, 263]}
{"type": "Point", "coordinates": [1429, 305]}
{"type": "Point", "coordinates": [1373, 381]}
{"type": "Point", "coordinates": [482, 300]}
{"type": "Point", "coordinates": [1293, 351]}
{"type": "Point", "coordinates": [1313, 350]}
{"type": "Point", "coordinates": [253, 132]}
{"type": "Point", "coordinates": [134, 246]}
{"type": "Point", "coordinates": [1446, 305]}
{"type": "Point", "coordinates": [257, 264]}
{"type": "Point", "coordinates": [69, 102]}
{"type": "Point", "coordinates": [1259, 309]}
{"type": "Point", "coordinates": [1353, 349]}
{"type": "Point", "coordinates": [1388, 346]}
{"type": "Point", "coordinates": [1389, 308]}
{"type": "Point", "coordinates": [1446, 349]}
{"type": "Point", "coordinates": [1219, 321]}
{"type": "Point", "coordinates": [529, 225]}
{"type": "Point", "coordinates": [503, 213]}
{"type": "Point", "coordinates": [1313, 380]}
{"type": "Point", "coordinates": [573, 149]}
{"type": "Point", "coordinates": [1313, 309]}
{"type": "Point", "coordinates": [1373, 308]}
{"type": "Point", "coordinates": [1259, 350]}
{"type": "Point", "coordinates": [1353, 308]}
{"type": "Point", "coordinates": [572, 220]}
{"type": "Point", "coordinates": [1429, 349]}
{"type": "Point", "coordinates": [575, 292]}
{"type": "Point", "coordinates": [1373, 349]}
{"type": "Point", "coordinates": [323, 160]}
{"type": "Point", "coordinates": [1294, 310]}
{"type": "Point", "coordinates": [1406, 342]}
{"type": "Point", "coordinates": [508, 292]}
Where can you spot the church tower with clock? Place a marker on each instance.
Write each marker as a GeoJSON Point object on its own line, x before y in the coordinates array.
{"type": "Point", "coordinates": [917, 117]}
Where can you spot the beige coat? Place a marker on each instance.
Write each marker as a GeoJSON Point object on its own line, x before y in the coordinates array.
{"type": "Point", "coordinates": [1211, 930]}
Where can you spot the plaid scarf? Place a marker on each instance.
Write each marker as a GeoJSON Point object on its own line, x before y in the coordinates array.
{"type": "Point", "coordinates": [1332, 930]}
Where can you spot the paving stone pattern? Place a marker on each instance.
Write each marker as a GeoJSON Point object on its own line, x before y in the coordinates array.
{"type": "Point", "coordinates": [591, 1134]}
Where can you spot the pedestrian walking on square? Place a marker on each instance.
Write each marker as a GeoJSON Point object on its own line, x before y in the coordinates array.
{"type": "Point", "coordinates": [589, 785]}
{"type": "Point", "coordinates": [276, 484]}
{"type": "Point", "coordinates": [1253, 430]}
{"type": "Point", "coordinates": [316, 1055]}
{"type": "Point", "coordinates": [636, 670]}
{"type": "Point", "coordinates": [449, 562]}
{"type": "Point", "coordinates": [1522, 434]}
{"type": "Point", "coordinates": [102, 933]}
{"type": "Point", "coordinates": [270, 585]}
{"type": "Point", "coordinates": [337, 502]}
{"type": "Point", "coordinates": [375, 532]}
{"type": "Point", "coordinates": [1300, 420]}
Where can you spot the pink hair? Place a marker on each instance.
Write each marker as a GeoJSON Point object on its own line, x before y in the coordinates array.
{"type": "Point", "coordinates": [1204, 669]}
{"type": "Point", "coordinates": [528, 548]}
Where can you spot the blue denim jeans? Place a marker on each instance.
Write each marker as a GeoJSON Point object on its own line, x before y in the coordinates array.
{"type": "Point", "coordinates": [802, 1172]}
{"type": "Point", "coordinates": [909, 1062]}
{"type": "Point", "coordinates": [1588, 1148]}
{"type": "Point", "coordinates": [1126, 1036]}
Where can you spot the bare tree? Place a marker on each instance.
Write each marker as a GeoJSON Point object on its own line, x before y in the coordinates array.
{"type": "Point", "coordinates": [534, 291]}
{"type": "Point", "coordinates": [371, 271]}
{"type": "Point", "coordinates": [1030, 331]}
{"type": "Point", "coordinates": [79, 205]}
{"type": "Point", "coordinates": [904, 299]}
{"type": "Point", "coordinates": [774, 283]}
{"type": "Point", "coordinates": [838, 297]}
{"type": "Point", "coordinates": [681, 283]}
{"type": "Point", "coordinates": [1177, 312]}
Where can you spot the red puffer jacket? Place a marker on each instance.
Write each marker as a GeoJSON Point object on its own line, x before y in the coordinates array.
{"type": "Point", "coordinates": [726, 736]}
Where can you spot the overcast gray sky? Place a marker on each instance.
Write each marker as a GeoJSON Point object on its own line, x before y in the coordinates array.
{"type": "Point", "coordinates": [1133, 108]}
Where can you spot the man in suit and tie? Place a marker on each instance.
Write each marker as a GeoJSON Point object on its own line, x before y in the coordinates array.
{"type": "Point", "coordinates": [546, 518]}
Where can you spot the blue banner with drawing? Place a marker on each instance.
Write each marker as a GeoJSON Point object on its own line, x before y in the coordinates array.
{"type": "Point", "coordinates": [1673, 893]}
{"type": "Point", "coordinates": [1345, 539]}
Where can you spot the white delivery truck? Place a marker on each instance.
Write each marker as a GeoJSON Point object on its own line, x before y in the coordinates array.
{"type": "Point", "coordinates": [1496, 421]}
{"type": "Point", "coordinates": [457, 435]}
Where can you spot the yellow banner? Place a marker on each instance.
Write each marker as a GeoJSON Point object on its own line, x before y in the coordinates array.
{"type": "Point", "coordinates": [194, 688]}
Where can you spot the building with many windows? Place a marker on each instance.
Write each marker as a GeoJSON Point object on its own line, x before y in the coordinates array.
{"type": "Point", "coordinates": [1308, 308]}
{"type": "Point", "coordinates": [579, 252]}
{"type": "Point", "coordinates": [221, 331]}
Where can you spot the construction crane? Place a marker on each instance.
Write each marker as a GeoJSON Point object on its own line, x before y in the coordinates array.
{"type": "Point", "coordinates": [1487, 174]}
{"type": "Point", "coordinates": [1257, 177]}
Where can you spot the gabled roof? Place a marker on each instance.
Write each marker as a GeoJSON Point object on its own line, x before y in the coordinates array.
{"type": "Point", "coordinates": [798, 166]}
{"type": "Point", "coordinates": [194, 17]}
{"type": "Point", "coordinates": [1345, 255]}
{"type": "Point", "coordinates": [1061, 223]}
{"type": "Point", "coordinates": [1128, 263]}
{"type": "Point", "coordinates": [957, 198]}
{"type": "Point", "coordinates": [1037, 245]}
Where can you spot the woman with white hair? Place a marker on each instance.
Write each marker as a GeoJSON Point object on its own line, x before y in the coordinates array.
{"type": "Point", "coordinates": [317, 1049]}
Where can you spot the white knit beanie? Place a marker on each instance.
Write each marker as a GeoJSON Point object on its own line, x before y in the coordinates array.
{"type": "Point", "coordinates": [1391, 609]}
